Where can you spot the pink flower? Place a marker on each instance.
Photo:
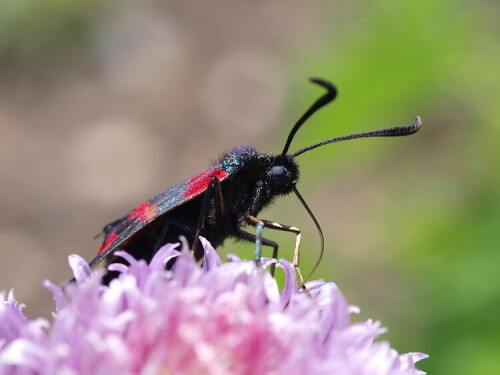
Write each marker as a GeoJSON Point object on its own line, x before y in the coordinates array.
{"type": "Point", "coordinates": [219, 319]}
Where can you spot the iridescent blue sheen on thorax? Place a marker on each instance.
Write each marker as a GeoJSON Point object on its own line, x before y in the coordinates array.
{"type": "Point", "coordinates": [249, 187]}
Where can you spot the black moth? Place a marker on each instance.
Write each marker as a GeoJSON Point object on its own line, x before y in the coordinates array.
{"type": "Point", "coordinates": [217, 203]}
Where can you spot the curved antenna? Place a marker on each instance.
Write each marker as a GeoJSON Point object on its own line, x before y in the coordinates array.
{"type": "Point", "coordinates": [321, 237]}
{"type": "Point", "coordinates": [387, 132]}
{"type": "Point", "coordinates": [325, 99]}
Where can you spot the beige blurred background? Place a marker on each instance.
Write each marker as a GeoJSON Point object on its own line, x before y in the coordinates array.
{"type": "Point", "coordinates": [144, 96]}
{"type": "Point", "coordinates": [105, 103]}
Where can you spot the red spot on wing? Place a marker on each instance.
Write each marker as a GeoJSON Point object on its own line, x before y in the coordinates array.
{"type": "Point", "coordinates": [199, 183]}
{"type": "Point", "coordinates": [108, 242]}
{"type": "Point", "coordinates": [144, 212]}
{"type": "Point", "coordinates": [139, 210]}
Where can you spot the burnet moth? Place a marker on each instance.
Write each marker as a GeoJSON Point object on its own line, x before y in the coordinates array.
{"type": "Point", "coordinates": [220, 201]}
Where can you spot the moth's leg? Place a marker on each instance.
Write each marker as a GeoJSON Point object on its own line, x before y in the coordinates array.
{"type": "Point", "coordinates": [184, 228]}
{"type": "Point", "coordinates": [213, 190]}
{"type": "Point", "coordinates": [259, 224]}
{"type": "Point", "coordinates": [241, 234]}
{"type": "Point", "coordinates": [220, 210]}
{"type": "Point", "coordinates": [160, 239]}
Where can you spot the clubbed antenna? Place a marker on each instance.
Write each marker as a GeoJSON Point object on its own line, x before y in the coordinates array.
{"type": "Point", "coordinates": [322, 101]}
{"type": "Point", "coordinates": [387, 132]}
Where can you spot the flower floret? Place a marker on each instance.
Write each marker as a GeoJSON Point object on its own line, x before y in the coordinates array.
{"type": "Point", "coordinates": [221, 318]}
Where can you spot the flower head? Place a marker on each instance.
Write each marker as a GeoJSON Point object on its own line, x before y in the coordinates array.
{"type": "Point", "coordinates": [229, 318]}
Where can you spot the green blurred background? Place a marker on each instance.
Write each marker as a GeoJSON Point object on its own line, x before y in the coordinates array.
{"type": "Point", "coordinates": [105, 103]}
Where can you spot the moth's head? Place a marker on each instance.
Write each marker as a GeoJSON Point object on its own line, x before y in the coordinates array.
{"type": "Point", "coordinates": [282, 174]}
{"type": "Point", "coordinates": [277, 173]}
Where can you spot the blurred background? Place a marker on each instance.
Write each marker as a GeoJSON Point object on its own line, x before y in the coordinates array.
{"type": "Point", "coordinates": [106, 103]}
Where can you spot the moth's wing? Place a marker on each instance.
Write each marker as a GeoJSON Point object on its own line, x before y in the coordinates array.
{"type": "Point", "coordinates": [121, 230]}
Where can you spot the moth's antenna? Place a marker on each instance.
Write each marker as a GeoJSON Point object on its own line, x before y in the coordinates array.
{"type": "Point", "coordinates": [321, 237]}
{"type": "Point", "coordinates": [387, 132]}
{"type": "Point", "coordinates": [325, 99]}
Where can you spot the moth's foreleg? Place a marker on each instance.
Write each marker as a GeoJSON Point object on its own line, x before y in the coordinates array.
{"type": "Point", "coordinates": [213, 191]}
{"type": "Point", "coordinates": [259, 224]}
{"type": "Point", "coordinates": [241, 234]}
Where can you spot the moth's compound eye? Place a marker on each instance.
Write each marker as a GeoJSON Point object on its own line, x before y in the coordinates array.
{"type": "Point", "coordinates": [278, 176]}
{"type": "Point", "coordinates": [277, 171]}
